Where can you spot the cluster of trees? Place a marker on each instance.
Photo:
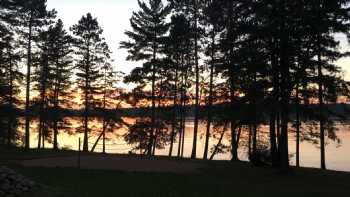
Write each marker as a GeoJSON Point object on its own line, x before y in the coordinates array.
{"type": "Point", "coordinates": [265, 61]}
{"type": "Point", "coordinates": [234, 64]}
{"type": "Point", "coordinates": [59, 66]}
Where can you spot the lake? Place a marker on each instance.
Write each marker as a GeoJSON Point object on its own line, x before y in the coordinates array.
{"type": "Point", "coordinates": [337, 154]}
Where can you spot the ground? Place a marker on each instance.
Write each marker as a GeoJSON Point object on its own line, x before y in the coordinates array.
{"type": "Point", "coordinates": [162, 177]}
{"type": "Point", "coordinates": [119, 163]}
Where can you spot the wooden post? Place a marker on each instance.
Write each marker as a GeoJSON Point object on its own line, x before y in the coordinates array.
{"type": "Point", "coordinates": [79, 153]}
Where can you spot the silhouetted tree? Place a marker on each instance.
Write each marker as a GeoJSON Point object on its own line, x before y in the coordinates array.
{"type": "Point", "coordinates": [211, 15]}
{"type": "Point", "coordinates": [192, 9]}
{"type": "Point", "coordinates": [11, 80]}
{"type": "Point", "coordinates": [110, 95]}
{"type": "Point", "coordinates": [147, 43]}
{"type": "Point", "coordinates": [31, 16]}
{"type": "Point", "coordinates": [228, 42]}
{"type": "Point", "coordinates": [178, 51]}
{"type": "Point", "coordinates": [53, 77]}
{"type": "Point", "coordinates": [42, 76]}
{"type": "Point", "coordinates": [89, 53]}
{"type": "Point", "coordinates": [324, 19]}
{"type": "Point", "coordinates": [61, 76]}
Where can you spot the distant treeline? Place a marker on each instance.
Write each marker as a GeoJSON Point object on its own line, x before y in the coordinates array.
{"type": "Point", "coordinates": [336, 112]}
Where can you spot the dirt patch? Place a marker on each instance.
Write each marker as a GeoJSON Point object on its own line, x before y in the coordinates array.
{"type": "Point", "coordinates": [109, 162]}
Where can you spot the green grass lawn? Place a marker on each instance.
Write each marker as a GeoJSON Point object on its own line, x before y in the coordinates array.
{"type": "Point", "coordinates": [222, 179]}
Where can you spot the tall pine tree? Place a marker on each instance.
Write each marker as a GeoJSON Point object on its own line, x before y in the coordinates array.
{"type": "Point", "coordinates": [89, 53]}
{"type": "Point", "coordinates": [61, 63]}
{"type": "Point", "coordinates": [31, 15]}
{"type": "Point", "coordinates": [147, 40]}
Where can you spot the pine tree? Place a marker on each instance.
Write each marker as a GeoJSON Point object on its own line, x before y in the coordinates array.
{"type": "Point", "coordinates": [193, 10]}
{"type": "Point", "coordinates": [228, 44]}
{"type": "Point", "coordinates": [177, 51]}
{"type": "Point", "coordinates": [146, 44]}
{"type": "Point", "coordinates": [324, 19]}
{"type": "Point", "coordinates": [180, 52]}
{"type": "Point", "coordinates": [31, 16]}
{"type": "Point", "coordinates": [89, 45]}
{"type": "Point", "coordinates": [12, 79]}
{"type": "Point", "coordinates": [212, 15]}
{"type": "Point", "coordinates": [61, 63]}
{"type": "Point", "coordinates": [42, 77]}
{"type": "Point", "coordinates": [110, 95]}
{"type": "Point", "coordinates": [53, 76]}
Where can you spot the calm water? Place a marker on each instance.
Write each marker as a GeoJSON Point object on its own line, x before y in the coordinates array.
{"type": "Point", "coordinates": [337, 154]}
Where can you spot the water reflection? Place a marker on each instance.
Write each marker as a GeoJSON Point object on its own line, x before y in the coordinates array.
{"type": "Point", "coordinates": [337, 156]}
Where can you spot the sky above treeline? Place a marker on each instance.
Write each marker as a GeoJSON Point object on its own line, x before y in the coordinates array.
{"type": "Point", "coordinates": [114, 15]}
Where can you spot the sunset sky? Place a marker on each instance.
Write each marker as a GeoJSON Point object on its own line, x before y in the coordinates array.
{"type": "Point", "coordinates": [113, 16]}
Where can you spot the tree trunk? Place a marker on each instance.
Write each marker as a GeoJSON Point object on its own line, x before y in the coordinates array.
{"type": "Point", "coordinates": [11, 116]}
{"type": "Point", "coordinates": [87, 103]}
{"type": "Point", "coordinates": [174, 122]}
{"type": "Point", "coordinates": [42, 114]}
{"type": "Point", "coordinates": [250, 131]}
{"type": "Point", "coordinates": [209, 115]}
{"type": "Point", "coordinates": [180, 137]}
{"type": "Point", "coordinates": [273, 145]}
{"type": "Point", "coordinates": [55, 118]}
{"type": "Point", "coordinates": [43, 139]}
{"type": "Point", "coordinates": [153, 117]}
{"type": "Point", "coordinates": [321, 108]}
{"type": "Point", "coordinates": [183, 135]}
{"type": "Point", "coordinates": [285, 93]}
{"type": "Point", "coordinates": [9, 131]}
{"type": "Point", "coordinates": [234, 142]}
{"type": "Point", "coordinates": [105, 125]}
{"type": "Point", "coordinates": [274, 117]}
{"type": "Point", "coordinates": [297, 112]}
{"type": "Point", "coordinates": [254, 144]}
{"type": "Point", "coordinates": [27, 104]}
{"type": "Point", "coordinates": [182, 114]}
{"type": "Point", "coordinates": [56, 108]}
{"type": "Point", "coordinates": [196, 112]}
{"type": "Point", "coordinates": [104, 139]}
{"type": "Point", "coordinates": [284, 141]}
{"type": "Point", "coordinates": [55, 134]}
{"type": "Point", "coordinates": [40, 134]}
{"type": "Point", "coordinates": [86, 120]}
{"type": "Point", "coordinates": [104, 116]}
{"type": "Point", "coordinates": [278, 129]}
{"type": "Point", "coordinates": [207, 136]}
{"type": "Point", "coordinates": [219, 142]}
